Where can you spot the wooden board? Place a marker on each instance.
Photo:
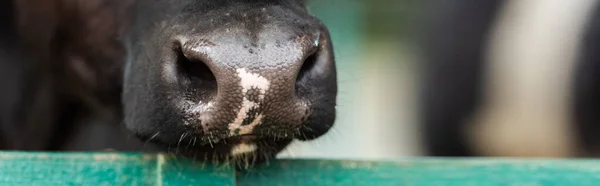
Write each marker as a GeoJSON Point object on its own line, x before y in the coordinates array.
{"type": "Point", "coordinates": [428, 172]}
{"type": "Point", "coordinates": [21, 168]}
{"type": "Point", "coordinates": [29, 168]}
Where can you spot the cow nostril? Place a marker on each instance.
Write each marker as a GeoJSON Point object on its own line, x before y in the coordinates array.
{"type": "Point", "coordinates": [196, 74]}
{"type": "Point", "coordinates": [308, 66]}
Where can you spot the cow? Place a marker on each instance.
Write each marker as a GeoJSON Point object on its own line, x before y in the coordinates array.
{"type": "Point", "coordinates": [202, 79]}
{"type": "Point", "coordinates": [511, 78]}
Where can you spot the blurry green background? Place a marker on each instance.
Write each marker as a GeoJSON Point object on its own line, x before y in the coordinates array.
{"type": "Point", "coordinates": [374, 48]}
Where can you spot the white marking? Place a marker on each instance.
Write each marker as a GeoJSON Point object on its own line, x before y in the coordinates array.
{"type": "Point", "coordinates": [248, 128]}
{"type": "Point", "coordinates": [247, 81]}
{"type": "Point", "coordinates": [250, 80]}
{"type": "Point", "coordinates": [243, 149]}
{"type": "Point", "coordinates": [531, 55]}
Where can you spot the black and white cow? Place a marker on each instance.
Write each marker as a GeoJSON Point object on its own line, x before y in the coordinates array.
{"type": "Point", "coordinates": [208, 79]}
{"type": "Point", "coordinates": [512, 78]}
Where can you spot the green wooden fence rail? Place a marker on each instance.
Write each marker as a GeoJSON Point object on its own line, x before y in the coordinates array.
{"type": "Point", "coordinates": [32, 168]}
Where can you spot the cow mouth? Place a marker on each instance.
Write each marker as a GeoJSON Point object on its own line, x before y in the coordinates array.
{"type": "Point", "coordinates": [242, 151]}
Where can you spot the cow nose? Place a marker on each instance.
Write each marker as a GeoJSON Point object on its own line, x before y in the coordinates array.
{"type": "Point", "coordinates": [196, 76]}
{"type": "Point", "coordinates": [242, 86]}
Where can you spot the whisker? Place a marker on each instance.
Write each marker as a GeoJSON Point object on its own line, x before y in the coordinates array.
{"type": "Point", "coordinates": [190, 142]}
{"type": "Point", "coordinates": [180, 139]}
{"type": "Point", "coordinates": [210, 142]}
{"type": "Point", "coordinates": [151, 137]}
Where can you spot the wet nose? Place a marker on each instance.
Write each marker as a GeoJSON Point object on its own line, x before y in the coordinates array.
{"type": "Point", "coordinates": [243, 84]}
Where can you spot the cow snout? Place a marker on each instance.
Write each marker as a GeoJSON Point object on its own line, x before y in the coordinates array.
{"type": "Point", "coordinates": [231, 82]}
{"type": "Point", "coordinates": [242, 87]}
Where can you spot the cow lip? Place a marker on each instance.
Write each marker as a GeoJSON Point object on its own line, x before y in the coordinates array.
{"type": "Point", "coordinates": [246, 138]}
{"type": "Point", "coordinates": [222, 145]}
{"type": "Point", "coordinates": [264, 148]}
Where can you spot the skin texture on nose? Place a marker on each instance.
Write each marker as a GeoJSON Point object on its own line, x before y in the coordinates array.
{"type": "Point", "coordinates": [253, 75]}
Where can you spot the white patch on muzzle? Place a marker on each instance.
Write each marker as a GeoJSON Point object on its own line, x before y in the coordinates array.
{"type": "Point", "coordinates": [243, 148]}
{"type": "Point", "coordinates": [248, 81]}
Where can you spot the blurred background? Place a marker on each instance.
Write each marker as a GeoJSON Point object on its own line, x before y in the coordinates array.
{"type": "Point", "coordinates": [375, 53]}
{"type": "Point", "coordinates": [487, 78]}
